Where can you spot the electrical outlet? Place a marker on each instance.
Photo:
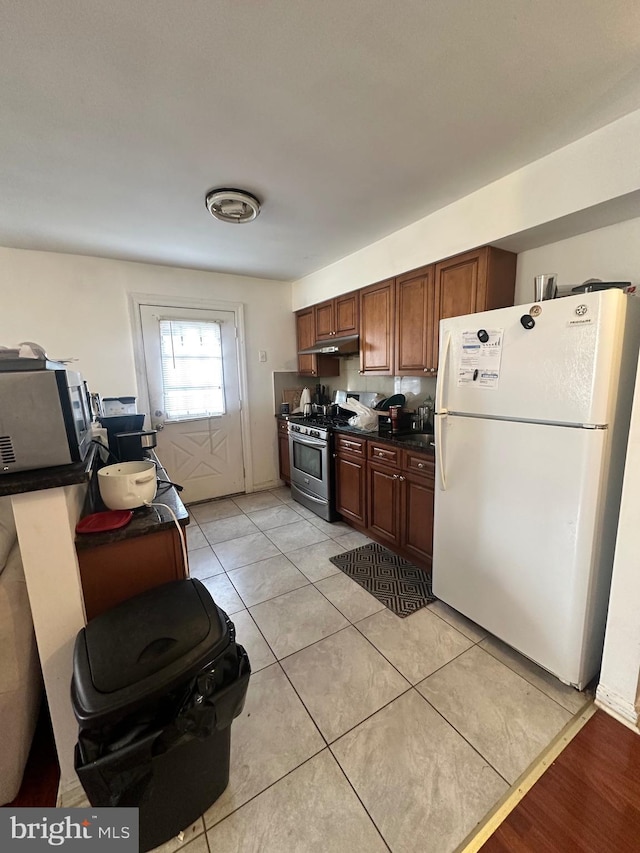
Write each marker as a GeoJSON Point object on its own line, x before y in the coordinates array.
{"type": "Point", "coordinates": [262, 355]}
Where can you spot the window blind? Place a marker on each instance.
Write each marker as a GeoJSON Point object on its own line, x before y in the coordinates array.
{"type": "Point", "coordinates": [192, 369]}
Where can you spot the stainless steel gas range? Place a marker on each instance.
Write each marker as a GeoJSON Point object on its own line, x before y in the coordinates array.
{"type": "Point", "coordinates": [310, 455]}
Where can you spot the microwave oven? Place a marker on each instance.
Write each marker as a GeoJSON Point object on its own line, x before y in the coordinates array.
{"type": "Point", "coordinates": [45, 418]}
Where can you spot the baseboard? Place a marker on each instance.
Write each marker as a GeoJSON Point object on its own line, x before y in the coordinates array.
{"type": "Point", "coordinates": [617, 706]}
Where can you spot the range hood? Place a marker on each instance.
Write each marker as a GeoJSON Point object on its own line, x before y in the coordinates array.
{"type": "Point", "coordinates": [347, 345]}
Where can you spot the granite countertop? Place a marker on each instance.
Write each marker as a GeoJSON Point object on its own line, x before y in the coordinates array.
{"type": "Point", "coordinates": [409, 440]}
{"type": "Point", "coordinates": [145, 520]}
{"type": "Point", "coordinates": [48, 478]}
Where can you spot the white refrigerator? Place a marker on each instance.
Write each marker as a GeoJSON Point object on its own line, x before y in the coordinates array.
{"type": "Point", "coordinates": [532, 410]}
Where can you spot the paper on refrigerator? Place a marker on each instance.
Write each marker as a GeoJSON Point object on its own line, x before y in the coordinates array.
{"type": "Point", "coordinates": [479, 361]}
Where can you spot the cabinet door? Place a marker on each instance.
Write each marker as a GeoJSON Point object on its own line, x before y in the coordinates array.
{"type": "Point", "coordinates": [283, 451]}
{"type": "Point", "coordinates": [312, 365]}
{"type": "Point", "coordinates": [460, 286]}
{"type": "Point", "coordinates": [415, 322]}
{"type": "Point", "coordinates": [325, 324]}
{"type": "Point", "coordinates": [351, 493]}
{"type": "Point", "coordinates": [377, 330]}
{"type": "Point", "coordinates": [346, 314]}
{"type": "Point", "coordinates": [306, 338]}
{"type": "Point", "coordinates": [417, 517]}
{"type": "Point", "coordinates": [384, 502]}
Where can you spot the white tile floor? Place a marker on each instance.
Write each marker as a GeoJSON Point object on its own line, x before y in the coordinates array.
{"type": "Point", "coordinates": [361, 731]}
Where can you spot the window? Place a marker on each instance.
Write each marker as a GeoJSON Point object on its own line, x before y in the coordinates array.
{"type": "Point", "coordinates": [192, 369]}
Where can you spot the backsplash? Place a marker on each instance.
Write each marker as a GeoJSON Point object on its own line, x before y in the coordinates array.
{"type": "Point", "coordinates": [351, 380]}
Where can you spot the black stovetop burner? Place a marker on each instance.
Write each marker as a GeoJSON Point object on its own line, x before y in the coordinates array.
{"type": "Point", "coordinates": [325, 420]}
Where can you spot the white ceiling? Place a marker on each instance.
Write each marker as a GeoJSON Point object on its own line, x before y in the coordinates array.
{"type": "Point", "coordinates": [348, 118]}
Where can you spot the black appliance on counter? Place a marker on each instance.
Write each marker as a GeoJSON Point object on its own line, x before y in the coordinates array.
{"type": "Point", "coordinates": [134, 446]}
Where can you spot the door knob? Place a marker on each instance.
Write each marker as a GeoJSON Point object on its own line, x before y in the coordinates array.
{"type": "Point", "coordinates": [159, 426]}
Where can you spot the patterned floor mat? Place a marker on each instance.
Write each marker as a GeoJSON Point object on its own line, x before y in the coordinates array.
{"type": "Point", "coordinates": [396, 583]}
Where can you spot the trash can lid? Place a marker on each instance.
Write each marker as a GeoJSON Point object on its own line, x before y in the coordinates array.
{"type": "Point", "coordinates": [150, 633]}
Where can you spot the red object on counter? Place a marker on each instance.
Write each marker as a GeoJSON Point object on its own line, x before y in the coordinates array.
{"type": "Point", "coordinates": [99, 522]}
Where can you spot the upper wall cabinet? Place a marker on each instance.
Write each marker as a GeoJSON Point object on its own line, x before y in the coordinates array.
{"type": "Point", "coordinates": [337, 317]}
{"type": "Point", "coordinates": [475, 281]}
{"type": "Point", "coordinates": [377, 328]}
{"type": "Point", "coordinates": [312, 365]}
{"type": "Point", "coordinates": [416, 323]}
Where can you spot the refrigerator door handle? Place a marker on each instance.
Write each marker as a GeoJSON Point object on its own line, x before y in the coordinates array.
{"type": "Point", "coordinates": [441, 374]}
{"type": "Point", "coordinates": [439, 422]}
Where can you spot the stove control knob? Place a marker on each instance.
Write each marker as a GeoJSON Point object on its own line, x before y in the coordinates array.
{"type": "Point", "coordinates": [315, 433]}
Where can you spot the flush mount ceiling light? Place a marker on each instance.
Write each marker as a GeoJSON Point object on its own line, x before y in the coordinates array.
{"type": "Point", "coordinates": [229, 205]}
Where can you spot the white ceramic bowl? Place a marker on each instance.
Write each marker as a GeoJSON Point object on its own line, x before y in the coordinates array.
{"type": "Point", "coordinates": [127, 485]}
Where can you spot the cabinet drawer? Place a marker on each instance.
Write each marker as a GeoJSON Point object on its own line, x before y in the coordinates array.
{"type": "Point", "coordinates": [419, 463]}
{"type": "Point", "coordinates": [349, 444]}
{"type": "Point", "coordinates": [383, 453]}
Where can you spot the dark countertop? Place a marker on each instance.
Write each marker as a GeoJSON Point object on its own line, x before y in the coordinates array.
{"type": "Point", "coordinates": [145, 520]}
{"type": "Point", "coordinates": [48, 478]}
{"type": "Point", "coordinates": [407, 441]}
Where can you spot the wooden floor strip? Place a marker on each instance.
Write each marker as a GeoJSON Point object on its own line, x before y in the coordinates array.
{"type": "Point", "coordinates": [524, 783]}
{"type": "Point", "coordinates": [587, 801]}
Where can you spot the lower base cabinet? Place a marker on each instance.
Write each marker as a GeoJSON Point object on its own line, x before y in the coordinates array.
{"type": "Point", "coordinates": [113, 573]}
{"type": "Point", "coordinates": [387, 492]}
{"type": "Point", "coordinates": [351, 479]}
{"type": "Point", "coordinates": [384, 503]}
{"type": "Point", "coordinates": [417, 518]}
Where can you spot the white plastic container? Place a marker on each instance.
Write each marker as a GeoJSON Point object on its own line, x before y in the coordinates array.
{"type": "Point", "coordinates": [114, 406]}
{"type": "Point", "coordinates": [127, 485]}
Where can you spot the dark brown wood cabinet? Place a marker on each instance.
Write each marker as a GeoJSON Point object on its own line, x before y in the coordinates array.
{"type": "Point", "coordinates": [283, 450]}
{"type": "Point", "coordinates": [351, 478]}
{"type": "Point", "coordinates": [113, 573]}
{"type": "Point", "coordinates": [416, 324]}
{"type": "Point", "coordinates": [337, 317]}
{"type": "Point", "coordinates": [377, 328]}
{"type": "Point", "coordinates": [387, 491]}
{"type": "Point", "coordinates": [384, 503]}
{"type": "Point", "coordinates": [418, 471]}
{"type": "Point", "coordinates": [474, 281]}
{"type": "Point", "coordinates": [312, 365]}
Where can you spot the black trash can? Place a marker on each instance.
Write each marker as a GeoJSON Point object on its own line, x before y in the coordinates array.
{"type": "Point", "coordinates": [157, 682]}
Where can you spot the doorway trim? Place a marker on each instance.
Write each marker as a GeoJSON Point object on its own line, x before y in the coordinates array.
{"type": "Point", "coordinates": [170, 301]}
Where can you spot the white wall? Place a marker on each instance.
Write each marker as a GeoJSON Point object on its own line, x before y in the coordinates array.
{"type": "Point", "coordinates": [78, 306]}
{"type": "Point", "coordinates": [611, 254]}
{"type": "Point", "coordinates": [618, 687]}
{"type": "Point", "coordinates": [602, 166]}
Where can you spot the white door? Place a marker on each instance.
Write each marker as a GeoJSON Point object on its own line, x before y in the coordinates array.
{"type": "Point", "coordinates": [517, 533]}
{"type": "Point", "coordinates": [559, 371]}
{"type": "Point", "coordinates": [194, 396]}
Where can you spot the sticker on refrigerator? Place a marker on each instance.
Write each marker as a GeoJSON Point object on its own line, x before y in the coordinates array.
{"type": "Point", "coordinates": [479, 358]}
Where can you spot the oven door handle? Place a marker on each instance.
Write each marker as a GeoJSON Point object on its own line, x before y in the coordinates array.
{"type": "Point", "coordinates": [310, 442]}
{"type": "Point", "coordinates": [312, 497]}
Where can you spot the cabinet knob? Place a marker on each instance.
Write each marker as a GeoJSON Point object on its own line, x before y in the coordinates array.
{"type": "Point", "coordinates": [380, 454]}
{"type": "Point", "coordinates": [402, 478]}
{"type": "Point", "coordinates": [420, 464]}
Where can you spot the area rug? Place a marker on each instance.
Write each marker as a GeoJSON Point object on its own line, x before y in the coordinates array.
{"type": "Point", "coordinates": [396, 583]}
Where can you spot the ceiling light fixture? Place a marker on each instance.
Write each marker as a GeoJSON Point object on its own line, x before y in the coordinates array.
{"type": "Point", "coordinates": [229, 205]}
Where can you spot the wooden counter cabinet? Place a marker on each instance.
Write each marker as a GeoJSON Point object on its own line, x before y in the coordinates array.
{"type": "Point", "coordinates": [416, 510]}
{"type": "Point", "coordinates": [113, 573]}
{"type": "Point", "coordinates": [350, 471]}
